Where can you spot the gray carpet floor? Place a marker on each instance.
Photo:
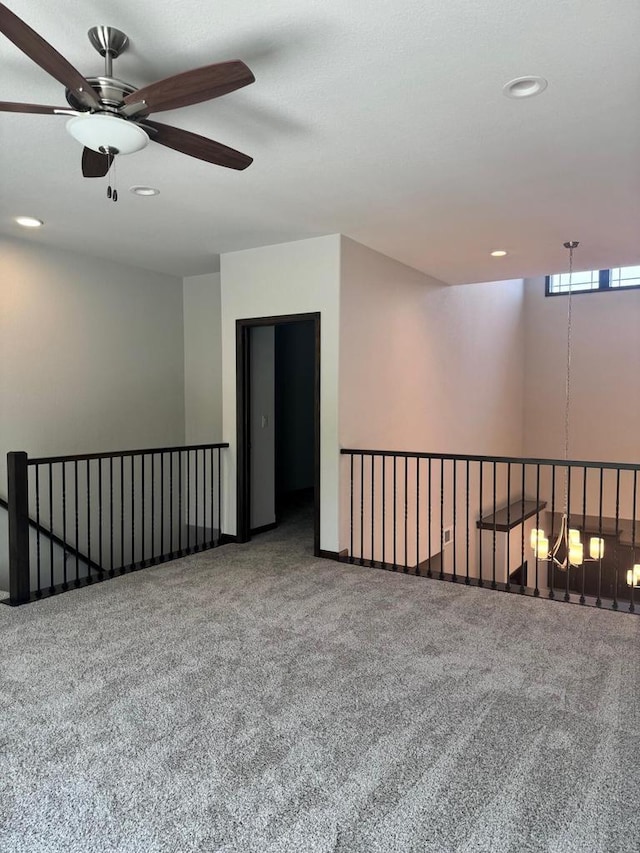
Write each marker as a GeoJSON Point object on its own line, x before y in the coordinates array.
{"type": "Point", "coordinates": [254, 698]}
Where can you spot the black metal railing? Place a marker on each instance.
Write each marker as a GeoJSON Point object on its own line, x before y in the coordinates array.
{"type": "Point", "coordinates": [77, 519]}
{"type": "Point", "coordinates": [494, 521]}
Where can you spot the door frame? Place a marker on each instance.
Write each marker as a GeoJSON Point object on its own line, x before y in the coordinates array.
{"type": "Point", "coordinates": [243, 377]}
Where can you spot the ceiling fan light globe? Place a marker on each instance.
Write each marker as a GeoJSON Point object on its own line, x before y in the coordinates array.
{"type": "Point", "coordinates": [99, 131]}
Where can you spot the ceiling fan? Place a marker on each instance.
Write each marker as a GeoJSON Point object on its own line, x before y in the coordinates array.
{"type": "Point", "coordinates": [109, 116]}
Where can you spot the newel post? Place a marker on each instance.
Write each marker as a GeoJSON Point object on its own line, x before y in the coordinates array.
{"type": "Point", "coordinates": [18, 500]}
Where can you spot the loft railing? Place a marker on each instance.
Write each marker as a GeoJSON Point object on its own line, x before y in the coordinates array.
{"type": "Point", "coordinates": [476, 520]}
{"type": "Point", "coordinates": [74, 520]}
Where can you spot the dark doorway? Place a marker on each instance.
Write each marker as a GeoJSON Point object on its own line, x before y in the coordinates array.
{"type": "Point", "coordinates": [295, 356]}
{"type": "Point", "coordinates": [278, 421]}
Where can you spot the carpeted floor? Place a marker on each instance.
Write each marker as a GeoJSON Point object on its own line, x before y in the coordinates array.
{"type": "Point", "coordinates": [254, 698]}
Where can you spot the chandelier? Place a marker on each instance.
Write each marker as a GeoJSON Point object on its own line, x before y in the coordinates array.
{"type": "Point", "coordinates": [567, 549]}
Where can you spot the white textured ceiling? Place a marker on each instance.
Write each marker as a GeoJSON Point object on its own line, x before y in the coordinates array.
{"type": "Point", "coordinates": [380, 119]}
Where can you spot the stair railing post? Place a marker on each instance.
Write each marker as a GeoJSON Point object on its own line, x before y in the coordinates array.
{"type": "Point", "coordinates": [18, 501]}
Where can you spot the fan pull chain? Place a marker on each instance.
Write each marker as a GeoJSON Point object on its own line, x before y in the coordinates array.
{"type": "Point", "coordinates": [112, 192]}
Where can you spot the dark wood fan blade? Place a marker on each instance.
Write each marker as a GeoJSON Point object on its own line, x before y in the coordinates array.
{"type": "Point", "coordinates": [198, 146]}
{"type": "Point", "coordinates": [47, 57]}
{"type": "Point", "coordinates": [94, 164]}
{"type": "Point", "coordinates": [8, 107]}
{"type": "Point", "coordinates": [192, 87]}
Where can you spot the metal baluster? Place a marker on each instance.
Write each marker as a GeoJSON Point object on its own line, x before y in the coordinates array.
{"type": "Point", "coordinates": [204, 497]}
{"type": "Point", "coordinates": [153, 507]}
{"type": "Point", "coordinates": [467, 536]}
{"type": "Point", "coordinates": [100, 555]}
{"type": "Point", "coordinates": [188, 501]}
{"type": "Point", "coordinates": [171, 504]}
{"type": "Point", "coordinates": [65, 585]}
{"type": "Point", "coordinates": [219, 495]}
{"type": "Point", "coordinates": [51, 573]}
{"type": "Point", "coordinates": [522, 586]}
{"type": "Point", "coordinates": [213, 541]}
{"type": "Point", "coordinates": [75, 506]}
{"type": "Point", "coordinates": [455, 515]}
{"type": "Point", "coordinates": [112, 563]}
{"type": "Point", "coordinates": [373, 508]}
{"type": "Point", "coordinates": [567, 597]}
{"type": "Point", "coordinates": [536, 591]}
{"type": "Point", "coordinates": [550, 563]}
{"type": "Point", "coordinates": [195, 544]}
{"type": "Point", "coordinates": [361, 510]}
{"type": "Point", "coordinates": [38, 582]}
{"type": "Point", "coordinates": [418, 515]}
{"type": "Point", "coordinates": [133, 514]}
{"type": "Point", "coordinates": [441, 575]}
{"type": "Point", "coordinates": [493, 576]}
{"type": "Point", "coordinates": [406, 514]}
{"type": "Point", "coordinates": [395, 513]}
{"type": "Point", "coordinates": [88, 484]}
{"type": "Point", "coordinates": [122, 559]}
{"type": "Point", "coordinates": [351, 554]}
{"type": "Point", "coordinates": [508, 579]}
{"type": "Point", "coordinates": [480, 581]}
{"type": "Point", "coordinates": [161, 555]}
{"type": "Point", "coordinates": [584, 530]}
{"type": "Point", "coordinates": [384, 507]}
{"type": "Point", "coordinates": [599, 598]}
{"type": "Point", "coordinates": [429, 515]}
{"type": "Point", "coordinates": [144, 517]}
{"type": "Point", "coordinates": [616, 550]}
{"type": "Point", "coordinates": [180, 501]}
{"type": "Point", "coordinates": [634, 516]}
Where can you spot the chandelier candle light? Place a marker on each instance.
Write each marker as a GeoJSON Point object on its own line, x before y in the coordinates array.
{"type": "Point", "coordinates": [567, 550]}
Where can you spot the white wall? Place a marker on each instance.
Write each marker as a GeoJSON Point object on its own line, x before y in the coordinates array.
{"type": "Point", "coordinates": [262, 425]}
{"type": "Point", "coordinates": [202, 359]}
{"type": "Point", "coordinates": [425, 366]}
{"type": "Point", "coordinates": [290, 278]}
{"type": "Point", "coordinates": [605, 375]}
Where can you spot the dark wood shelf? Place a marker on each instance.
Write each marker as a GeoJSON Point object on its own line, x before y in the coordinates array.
{"type": "Point", "coordinates": [507, 518]}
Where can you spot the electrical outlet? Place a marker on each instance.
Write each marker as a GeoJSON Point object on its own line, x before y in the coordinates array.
{"type": "Point", "coordinates": [447, 535]}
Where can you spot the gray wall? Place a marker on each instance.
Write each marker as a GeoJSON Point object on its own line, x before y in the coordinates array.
{"type": "Point", "coordinates": [202, 359]}
{"type": "Point", "coordinates": [91, 355]}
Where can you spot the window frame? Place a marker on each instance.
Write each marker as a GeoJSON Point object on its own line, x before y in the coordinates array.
{"type": "Point", "coordinates": [604, 286]}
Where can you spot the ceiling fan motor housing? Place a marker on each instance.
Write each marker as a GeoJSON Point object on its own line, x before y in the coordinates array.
{"type": "Point", "coordinates": [110, 90]}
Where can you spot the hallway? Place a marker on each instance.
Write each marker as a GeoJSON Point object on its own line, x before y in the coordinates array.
{"type": "Point", "coordinates": [255, 698]}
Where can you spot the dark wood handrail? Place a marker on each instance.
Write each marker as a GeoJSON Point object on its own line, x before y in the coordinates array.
{"type": "Point", "coordinates": [117, 454]}
{"type": "Point", "coordinates": [515, 460]}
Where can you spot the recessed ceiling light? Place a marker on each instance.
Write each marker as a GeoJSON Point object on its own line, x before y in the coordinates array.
{"type": "Point", "coordinates": [524, 87]}
{"type": "Point", "coordinates": [144, 190]}
{"type": "Point", "coordinates": [498, 253]}
{"type": "Point", "coordinates": [29, 221]}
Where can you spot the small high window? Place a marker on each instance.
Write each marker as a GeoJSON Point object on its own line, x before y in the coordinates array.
{"type": "Point", "coordinates": [583, 282]}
